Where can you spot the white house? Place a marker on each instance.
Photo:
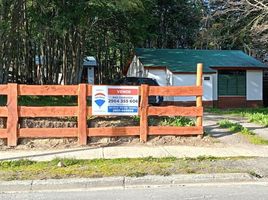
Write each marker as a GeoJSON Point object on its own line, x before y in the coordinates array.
{"type": "Point", "coordinates": [231, 78]}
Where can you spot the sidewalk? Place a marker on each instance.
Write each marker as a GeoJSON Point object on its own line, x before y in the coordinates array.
{"type": "Point", "coordinates": [134, 152]}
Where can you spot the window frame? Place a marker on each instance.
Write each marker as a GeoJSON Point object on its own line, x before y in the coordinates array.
{"type": "Point", "coordinates": [232, 95]}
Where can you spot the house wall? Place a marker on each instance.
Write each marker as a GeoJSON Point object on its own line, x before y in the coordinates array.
{"type": "Point", "coordinates": [215, 86]}
{"type": "Point", "coordinates": [165, 77]}
{"type": "Point", "coordinates": [254, 84]}
{"type": "Point", "coordinates": [190, 79]}
{"type": "Point", "coordinates": [136, 68]}
{"type": "Point", "coordinates": [254, 93]}
{"type": "Point", "coordinates": [160, 75]}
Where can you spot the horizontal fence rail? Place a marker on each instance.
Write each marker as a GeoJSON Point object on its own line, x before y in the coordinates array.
{"type": "Point", "coordinates": [174, 110]}
{"type": "Point", "coordinates": [176, 90]}
{"type": "Point", "coordinates": [12, 111]}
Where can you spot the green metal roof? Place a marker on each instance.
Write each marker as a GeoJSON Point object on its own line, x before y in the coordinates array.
{"type": "Point", "coordinates": [185, 60]}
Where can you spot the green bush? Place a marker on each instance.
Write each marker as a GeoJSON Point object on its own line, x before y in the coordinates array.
{"type": "Point", "coordinates": [177, 121]}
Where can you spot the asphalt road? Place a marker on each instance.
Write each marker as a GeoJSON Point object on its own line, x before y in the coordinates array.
{"type": "Point", "coordinates": [244, 191]}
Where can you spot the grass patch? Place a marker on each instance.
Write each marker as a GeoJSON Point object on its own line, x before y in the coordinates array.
{"type": "Point", "coordinates": [43, 100]}
{"type": "Point", "coordinates": [256, 115]}
{"type": "Point", "coordinates": [47, 100]}
{"type": "Point", "coordinates": [237, 128]}
{"type": "Point", "coordinates": [13, 164]}
{"type": "Point", "coordinates": [26, 169]}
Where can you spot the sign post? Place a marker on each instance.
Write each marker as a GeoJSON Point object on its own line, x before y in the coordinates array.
{"type": "Point", "coordinates": [115, 100]}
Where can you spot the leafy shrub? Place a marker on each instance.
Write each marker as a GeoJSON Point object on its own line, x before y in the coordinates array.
{"type": "Point", "coordinates": [177, 121]}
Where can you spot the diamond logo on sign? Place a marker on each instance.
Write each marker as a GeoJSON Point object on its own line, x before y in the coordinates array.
{"type": "Point", "coordinates": [99, 99]}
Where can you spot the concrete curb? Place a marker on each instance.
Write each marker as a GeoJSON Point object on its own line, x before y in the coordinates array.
{"type": "Point", "coordinates": [121, 182]}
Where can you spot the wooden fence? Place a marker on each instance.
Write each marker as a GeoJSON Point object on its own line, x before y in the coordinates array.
{"type": "Point", "coordinates": [12, 111]}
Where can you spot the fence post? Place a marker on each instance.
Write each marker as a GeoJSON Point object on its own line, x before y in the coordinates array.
{"type": "Point", "coordinates": [82, 114]}
{"type": "Point", "coordinates": [144, 113]}
{"type": "Point", "coordinates": [12, 116]}
{"type": "Point", "coordinates": [199, 75]}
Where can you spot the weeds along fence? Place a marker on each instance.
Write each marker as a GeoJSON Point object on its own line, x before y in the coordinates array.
{"type": "Point", "coordinates": [13, 112]}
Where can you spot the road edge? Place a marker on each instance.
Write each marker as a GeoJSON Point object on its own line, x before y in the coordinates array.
{"type": "Point", "coordinates": [123, 182]}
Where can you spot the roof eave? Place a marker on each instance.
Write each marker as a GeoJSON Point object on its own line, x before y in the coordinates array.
{"type": "Point", "coordinates": [239, 68]}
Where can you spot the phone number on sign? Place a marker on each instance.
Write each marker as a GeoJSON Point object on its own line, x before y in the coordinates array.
{"type": "Point", "coordinates": [122, 101]}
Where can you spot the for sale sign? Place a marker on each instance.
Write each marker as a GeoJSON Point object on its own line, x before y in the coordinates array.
{"type": "Point", "coordinates": [115, 100]}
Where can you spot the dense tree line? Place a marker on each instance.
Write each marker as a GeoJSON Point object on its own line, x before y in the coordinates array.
{"type": "Point", "coordinates": [41, 39]}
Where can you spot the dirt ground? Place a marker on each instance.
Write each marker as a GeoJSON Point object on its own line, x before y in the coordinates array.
{"type": "Point", "coordinates": [39, 144]}
{"type": "Point", "coordinates": [213, 137]}
{"type": "Point", "coordinates": [52, 143]}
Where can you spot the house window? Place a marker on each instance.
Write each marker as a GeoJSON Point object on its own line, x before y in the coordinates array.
{"type": "Point", "coordinates": [232, 83]}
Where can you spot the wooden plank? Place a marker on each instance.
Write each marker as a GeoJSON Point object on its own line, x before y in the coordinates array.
{"type": "Point", "coordinates": [47, 111]}
{"type": "Point", "coordinates": [199, 119]}
{"type": "Point", "coordinates": [89, 110]}
{"type": "Point", "coordinates": [175, 90]}
{"type": "Point", "coordinates": [82, 114]}
{"type": "Point", "coordinates": [173, 130]}
{"type": "Point", "coordinates": [48, 90]}
{"type": "Point", "coordinates": [175, 111]}
{"type": "Point", "coordinates": [3, 89]}
{"type": "Point", "coordinates": [3, 133]}
{"type": "Point", "coordinates": [144, 113]}
{"type": "Point", "coordinates": [89, 90]}
{"type": "Point", "coordinates": [3, 111]}
{"type": "Point", "coordinates": [12, 118]}
{"type": "Point", "coordinates": [104, 131]}
{"type": "Point", "coordinates": [47, 132]}
{"type": "Point", "coordinates": [114, 131]}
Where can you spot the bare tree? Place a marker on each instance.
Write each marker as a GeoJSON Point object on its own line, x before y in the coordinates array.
{"type": "Point", "coordinates": [239, 24]}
